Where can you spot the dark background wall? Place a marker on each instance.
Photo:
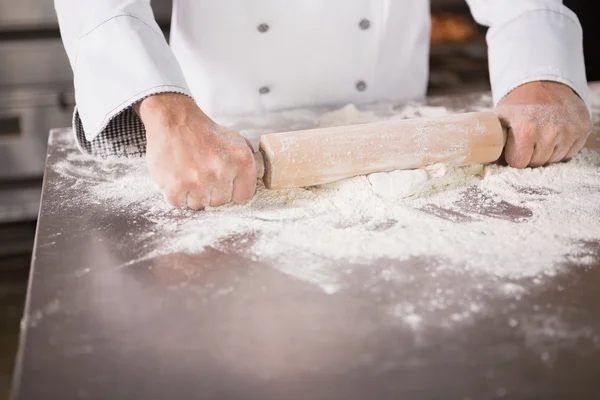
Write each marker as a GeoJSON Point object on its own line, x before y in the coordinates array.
{"type": "Point", "coordinates": [588, 15]}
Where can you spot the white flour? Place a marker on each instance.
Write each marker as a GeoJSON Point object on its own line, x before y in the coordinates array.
{"type": "Point", "coordinates": [493, 227]}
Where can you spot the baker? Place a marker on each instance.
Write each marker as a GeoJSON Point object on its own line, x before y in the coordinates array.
{"type": "Point", "coordinates": [137, 95]}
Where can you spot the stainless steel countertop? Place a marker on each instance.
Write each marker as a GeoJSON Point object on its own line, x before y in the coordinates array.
{"type": "Point", "coordinates": [171, 327]}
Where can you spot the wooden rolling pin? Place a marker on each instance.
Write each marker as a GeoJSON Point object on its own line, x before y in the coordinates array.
{"type": "Point", "coordinates": [318, 156]}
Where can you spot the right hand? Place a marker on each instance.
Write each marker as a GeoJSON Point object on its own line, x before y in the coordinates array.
{"type": "Point", "coordinates": [194, 161]}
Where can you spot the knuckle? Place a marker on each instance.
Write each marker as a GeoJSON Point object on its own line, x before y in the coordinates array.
{"type": "Point", "coordinates": [213, 174]}
{"type": "Point", "coordinates": [193, 175]}
{"type": "Point", "coordinates": [559, 140]}
{"type": "Point", "coordinates": [243, 155]}
{"type": "Point", "coordinates": [219, 177]}
{"type": "Point", "coordinates": [528, 129]}
{"type": "Point", "coordinates": [527, 134]}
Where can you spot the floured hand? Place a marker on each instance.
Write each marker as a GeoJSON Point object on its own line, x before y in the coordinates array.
{"type": "Point", "coordinates": [195, 162]}
{"type": "Point", "coordinates": [546, 121]}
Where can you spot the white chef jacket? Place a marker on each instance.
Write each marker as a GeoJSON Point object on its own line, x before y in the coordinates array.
{"type": "Point", "coordinates": [252, 56]}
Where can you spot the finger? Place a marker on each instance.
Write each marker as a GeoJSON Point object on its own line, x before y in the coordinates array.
{"type": "Point", "coordinates": [176, 197]}
{"type": "Point", "coordinates": [541, 154]}
{"type": "Point", "coordinates": [221, 194]}
{"type": "Point", "coordinates": [578, 145]}
{"type": "Point", "coordinates": [559, 153]}
{"type": "Point", "coordinates": [244, 187]}
{"type": "Point", "coordinates": [518, 150]}
{"type": "Point", "coordinates": [198, 200]}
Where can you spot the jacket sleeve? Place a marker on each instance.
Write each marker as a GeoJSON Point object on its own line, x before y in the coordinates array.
{"type": "Point", "coordinates": [119, 56]}
{"type": "Point", "coordinates": [532, 40]}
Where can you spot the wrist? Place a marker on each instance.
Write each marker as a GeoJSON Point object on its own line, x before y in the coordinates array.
{"type": "Point", "coordinates": [550, 85]}
{"type": "Point", "coordinates": [166, 108]}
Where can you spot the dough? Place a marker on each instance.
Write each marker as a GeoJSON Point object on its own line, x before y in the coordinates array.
{"type": "Point", "coordinates": [436, 170]}
{"type": "Point", "coordinates": [398, 184]}
{"type": "Point", "coordinates": [418, 182]}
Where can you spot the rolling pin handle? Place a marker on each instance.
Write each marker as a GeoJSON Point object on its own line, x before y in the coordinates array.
{"type": "Point", "coordinates": [259, 162]}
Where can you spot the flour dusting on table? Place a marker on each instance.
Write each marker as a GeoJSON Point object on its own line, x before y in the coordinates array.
{"type": "Point", "coordinates": [492, 227]}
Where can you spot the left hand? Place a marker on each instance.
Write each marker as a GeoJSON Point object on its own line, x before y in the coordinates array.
{"type": "Point", "coordinates": [546, 121]}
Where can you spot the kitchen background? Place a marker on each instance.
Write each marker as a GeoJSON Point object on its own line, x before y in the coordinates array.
{"type": "Point", "coordinates": [36, 94]}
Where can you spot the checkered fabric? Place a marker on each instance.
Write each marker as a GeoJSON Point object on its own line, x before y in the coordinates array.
{"type": "Point", "coordinates": [124, 136]}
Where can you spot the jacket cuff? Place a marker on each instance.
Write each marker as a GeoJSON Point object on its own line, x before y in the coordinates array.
{"type": "Point", "coordinates": [120, 62]}
{"type": "Point", "coordinates": [538, 45]}
{"type": "Point", "coordinates": [123, 136]}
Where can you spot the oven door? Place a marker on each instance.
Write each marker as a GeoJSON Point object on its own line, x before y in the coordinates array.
{"type": "Point", "coordinates": [26, 116]}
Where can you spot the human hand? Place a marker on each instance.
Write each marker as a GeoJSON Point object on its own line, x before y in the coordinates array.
{"type": "Point", "coordinates": [194, 161]}
{"type": "Point", "coordinates": [546, 121]}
